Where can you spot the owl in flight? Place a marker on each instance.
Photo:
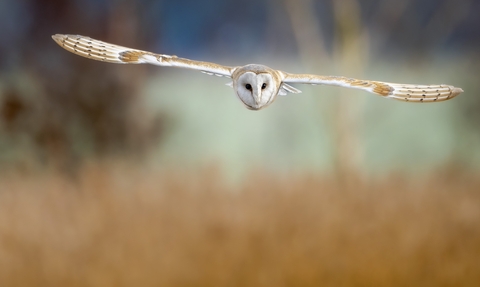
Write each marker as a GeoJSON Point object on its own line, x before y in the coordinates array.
{"type": "Point", "coordinates": [256, 86]}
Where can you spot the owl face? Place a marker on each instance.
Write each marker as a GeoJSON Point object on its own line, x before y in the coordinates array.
{"type": "Point", "coordinates": [256, 89]}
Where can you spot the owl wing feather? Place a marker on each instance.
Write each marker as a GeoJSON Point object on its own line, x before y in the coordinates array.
{"type": "Point", "coordinates": [106, 52]}
{"type": "Point", "coordinates": [402, 92]}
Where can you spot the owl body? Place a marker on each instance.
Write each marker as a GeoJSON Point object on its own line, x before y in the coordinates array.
{"type": "Point", "coordinates": [257, 86]}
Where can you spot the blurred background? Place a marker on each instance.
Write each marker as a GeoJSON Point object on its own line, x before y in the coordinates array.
{"type": "Point", "coordinates": [58, 109]}
{"type": "Point", "coordinates": [121, 175]}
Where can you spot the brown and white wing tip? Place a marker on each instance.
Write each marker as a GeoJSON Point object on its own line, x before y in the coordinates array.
{"type": "Point", "coordinates": [92, 49]}
{"type": "Point", "coordinates": [423, 93]}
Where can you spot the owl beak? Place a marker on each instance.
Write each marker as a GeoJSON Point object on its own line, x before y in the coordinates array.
{"type": "Point", "coordinates": [257, 96]}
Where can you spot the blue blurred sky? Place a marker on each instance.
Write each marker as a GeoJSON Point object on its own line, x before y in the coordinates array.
{"type": "Point", "coordinates": [240, 28]}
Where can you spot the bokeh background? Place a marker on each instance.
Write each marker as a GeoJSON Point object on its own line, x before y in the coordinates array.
{"type": "Point", "coordinates": [121, 175]}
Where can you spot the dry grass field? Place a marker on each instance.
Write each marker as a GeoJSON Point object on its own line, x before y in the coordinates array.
{"type": "Point", "coordinates": [121, 225]}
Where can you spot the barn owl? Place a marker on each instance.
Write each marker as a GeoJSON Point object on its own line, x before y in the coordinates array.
{"type": "Point", "coordinates": [257, 86]}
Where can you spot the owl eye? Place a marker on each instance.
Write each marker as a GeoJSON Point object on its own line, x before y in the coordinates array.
{"type": "Point", "coordinates": [264, 86]}
{"type": "Point", "coordinates": [248, 87]}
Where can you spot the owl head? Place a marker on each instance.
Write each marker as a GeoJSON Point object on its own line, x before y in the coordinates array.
{"type": "Point", "coordinates": [256, 86]}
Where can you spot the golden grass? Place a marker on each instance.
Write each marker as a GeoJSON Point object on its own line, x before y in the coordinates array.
{"type": "Point", "coordinates": [114, 225]}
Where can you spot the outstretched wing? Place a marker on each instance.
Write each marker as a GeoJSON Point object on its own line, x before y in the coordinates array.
{"type": "Point", "coordinates": [106, 52]}
{"type": "Point", "coordinates": [402, 92]}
